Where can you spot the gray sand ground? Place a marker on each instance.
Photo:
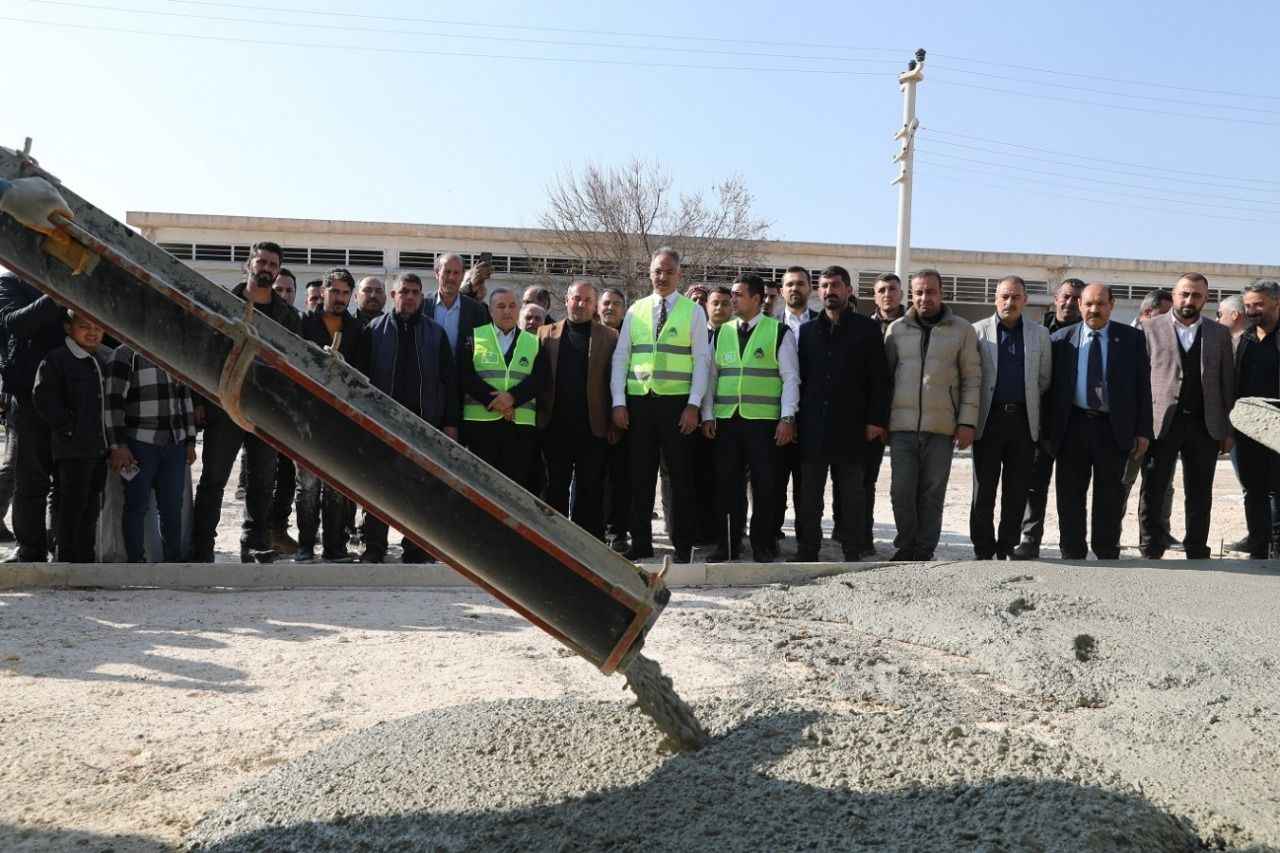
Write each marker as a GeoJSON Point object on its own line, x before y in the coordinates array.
{"type": "Point", "coordinates": [951, 706]}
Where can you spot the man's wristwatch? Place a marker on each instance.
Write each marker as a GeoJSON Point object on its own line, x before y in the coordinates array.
{"type": "Point", "coordinates": [789, 419]}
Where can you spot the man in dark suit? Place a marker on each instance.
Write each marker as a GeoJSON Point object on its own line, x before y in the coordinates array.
{"type": "Point", "coordinates": [574, 408]}
{"type": "Point", "coordinates": [1100, 411]}
{"type": "Point", "coordinates": [844, 401]}
{"type": "Point", "coordinates": [1192, 389]}
{"type": "Point", "coordinates": [457, 314]}
{"type": "Point", "coordinates": [796, 287]}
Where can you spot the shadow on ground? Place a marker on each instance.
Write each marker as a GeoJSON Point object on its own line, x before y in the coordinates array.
{"type": "Point", "coordinates": [529, 776]}
{"type": "Point", "coordinates": [76, 634]}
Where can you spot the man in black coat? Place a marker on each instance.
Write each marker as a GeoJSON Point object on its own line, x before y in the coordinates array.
{"type": "Point", "coordinates": [1100, 413]}
{"type": "Point", "coordinates": [844, 401]}
{"type": "Point", "coordinates": [223, 437]}
{"type": "Point", "coordinates": [33, 328]}
{"type": "Point", "coordinates": [796, 287]}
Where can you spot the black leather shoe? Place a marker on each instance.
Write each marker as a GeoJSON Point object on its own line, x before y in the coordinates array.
{"type": "Point", "coordinates": [343, 557]}
{"type": "Point", "coordinates": [764, 555]}
{"type": "Point", "coordinates": [983, 556]}
{"type": "Point", "coordinates": [903, 556]}
{"type": "Point", "coordinates": [804, 558]}
{"type": "Point", "coordinates": [637, 553]}
{"type": "Point", "coordinates": [372, 557]}
{"type": "Point", "coordinates": [620, 544]}
{"type": "Point", "coordinates": [6, 535]}
{"type": "Point", "coordinates": [1025, 551]}
{"type": "Point", "coordinates": [304, 555]}
{"type": "Point", "coordinates": [719, 555]}
{"type": "Point", "coordinates": [685, 556]}
{"type": "Point", "coordinates": [23, 558]}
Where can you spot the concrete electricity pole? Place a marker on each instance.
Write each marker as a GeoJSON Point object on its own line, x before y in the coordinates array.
{"type": "Point", "coordinates": [906, 154]}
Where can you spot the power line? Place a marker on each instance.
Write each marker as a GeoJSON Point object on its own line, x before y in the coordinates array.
{"type": "Point", "coordinates": [1180, 179]}
{"type": "Point", "coordinates": [933, 130]}
{"type": "Point", "coordinates": [1196, 207]}
{"type": "Point", "coordinates": [1107, 78]}
{"type": "Point", "coordinates": [1088, 103]}
{"type": "Point", "coordinates": [450, 53]}
{"type": "Point", "coordinates": [1121, 184]}
{"type": "Point", "coordinates": [1105, 202]}
{"type": "Point", "coordinates": [574, 30]}
{"type": "Point", "coordinates": [1108, 92]}
{"type": "Point", "coordinates": [468, 36]}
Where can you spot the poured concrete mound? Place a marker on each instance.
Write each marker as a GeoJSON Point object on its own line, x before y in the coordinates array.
{"type": "Point", "coordinates": [530, 775]}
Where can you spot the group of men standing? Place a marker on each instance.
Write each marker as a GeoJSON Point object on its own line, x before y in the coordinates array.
{"type": "Point", "coordinates": [719, 395]}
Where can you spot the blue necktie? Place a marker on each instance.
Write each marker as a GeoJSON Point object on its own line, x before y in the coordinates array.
{"type": "Point", "coordinates": [662, 316]}
{"type": "Point", "coordinates": [1094, 377]}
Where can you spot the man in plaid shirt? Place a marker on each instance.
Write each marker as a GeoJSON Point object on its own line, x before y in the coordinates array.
{"type": "Point", "coordinates": [152, 429]}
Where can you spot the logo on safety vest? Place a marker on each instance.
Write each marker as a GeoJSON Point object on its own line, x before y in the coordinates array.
{"type": "Point", "coordinates": [524, 361]}
{"type": "Point", "coordinates": [759, 352]}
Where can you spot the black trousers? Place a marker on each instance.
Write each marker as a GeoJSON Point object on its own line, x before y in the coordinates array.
{"type": "Point", "coordinates": [655, 433]}
{"type": "Point", "coordinates": [282, 498]}
{"type": "Point", "coordinates": [1088, 452]}
{"type": "Point", "coordinates": [706, 491]}
{"type": "Point", "coordinates": [1003, 457]}
{"type": "Point", "coordinates": [788, 469]}
{"type": "Point", "coordinates": [80, 484]}
{"type": "Point", "coordinates": [576, 456]}
{"type": "Point", "coordinates": [1259, 468]}
{"type": "Point", "coordinates": [741, 445]}
{"type": "Point", "coordinates": [33, 478]}
{"type": "Point", "coordinates": [870, 474]}
{"type": "Point", "coordinates": [813, 486]}
{"type": "Point", "coordinates": [1037, 496]}
{"type": "Point", "coordinates": [222, 442]}
{"type": "Point", "coordinates": [617, 489]}
{"type": "Point", "coordinates": [510, 448]}
{"type": "Point", "coordinates": [1188, 438]}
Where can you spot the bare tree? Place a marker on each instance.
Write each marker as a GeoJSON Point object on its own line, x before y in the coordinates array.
{"type": "Point", "coordinates": [613, 219]}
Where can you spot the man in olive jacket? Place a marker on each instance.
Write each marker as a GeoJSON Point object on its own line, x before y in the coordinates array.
{"type": "Point", "coordinates": [937, 385]}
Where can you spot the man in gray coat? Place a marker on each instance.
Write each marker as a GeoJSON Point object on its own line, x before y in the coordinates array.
{"type": "Point", "coordinates": [1192, 391]}
{"type": "Point", "coordinates": [1017, 367]}
{"type": "Point", "coordinates": [937, 378]}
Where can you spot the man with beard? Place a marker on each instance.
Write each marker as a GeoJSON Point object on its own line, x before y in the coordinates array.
{"type": "Point", "coordinates": [315, 295]}
{"type": "Point", "coordinates": [334, 329]}
{"type": "Point", "coordinates": [286, 284]}
{"type": "Point", "coordinates": [796, 288]}
{"type": "Point", "coordinates": [371, 297]}
{"type": "Point", "coordinates": [1192, 391]}
{"type": "Point", "coordinates": [844, 401]}
{"type": "Point", "coordinates": [1065, 313]}
{"type": "Point", "coordinates": [1258, 375]}
{"type": "Point", "coordinates": [223, 437]}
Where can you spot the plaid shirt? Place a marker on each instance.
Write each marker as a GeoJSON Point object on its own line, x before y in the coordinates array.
{"type": "Point", "coordinates": [144, 404]}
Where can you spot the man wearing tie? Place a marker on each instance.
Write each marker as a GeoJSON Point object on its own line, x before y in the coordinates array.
{"type": "Point", "coordinates": [659, 377]}
{"type": "Point", "coordinates": [1100, 410]}
{"type": "Point", "coordinates": [751, 415]}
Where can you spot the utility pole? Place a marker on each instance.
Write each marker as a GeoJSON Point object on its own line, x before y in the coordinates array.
{"type": "Point", "coordinates": [906, 154]}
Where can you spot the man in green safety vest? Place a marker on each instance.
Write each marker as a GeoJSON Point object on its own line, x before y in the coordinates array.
{"type": "Point", "coordinates": [659, 378]}
{"type": "Point", "coordinates": [755, 375]}
{"type": "Point", "coordinates": [502, 369]}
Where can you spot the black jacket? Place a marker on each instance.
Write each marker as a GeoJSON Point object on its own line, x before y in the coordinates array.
{"type": "Point", "coordinates": [1128, 384]}
{"type": "Point", "coordinates": [277, 309]}
{"type": "Point", "coordinates": [474, 314]}
{"type": "Point", "coordinates": [315, 331]}
{"type": "Point", "coordinates": [844, 386]}
{"type": "Point", "coordinates": [68, 395]}
{"type": "Point", "coordinates": [32, 325]}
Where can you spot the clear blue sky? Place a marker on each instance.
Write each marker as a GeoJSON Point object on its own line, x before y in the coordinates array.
{"type": "Point", "coordinates": [258, 125]}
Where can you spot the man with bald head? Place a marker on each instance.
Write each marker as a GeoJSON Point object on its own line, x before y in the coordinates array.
{"type": "Point", "coordinates": [1100, 414]}
{"type": "Point", "coordinates": [370, 297]}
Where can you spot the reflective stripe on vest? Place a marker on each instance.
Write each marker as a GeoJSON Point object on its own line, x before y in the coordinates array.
{"type": "Point", "coordinates": [749, 384]}
{"type": "Point", "coordinates": [665, 366]}
{"type": "Point", "coordinates": [491, 366]}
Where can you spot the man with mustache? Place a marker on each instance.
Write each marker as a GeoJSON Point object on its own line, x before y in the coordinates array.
{"type": "Point", "coordinates": [1258, 375]}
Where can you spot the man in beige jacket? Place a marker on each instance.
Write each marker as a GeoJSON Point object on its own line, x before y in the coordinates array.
{"type": "Point", "coordinates": [937, 381]}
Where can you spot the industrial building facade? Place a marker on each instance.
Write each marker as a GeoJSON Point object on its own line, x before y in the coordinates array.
{"type": "Point", "coordinates": [217, 247]}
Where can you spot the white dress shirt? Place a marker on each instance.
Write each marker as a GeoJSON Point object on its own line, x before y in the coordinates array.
{"type": "Point", "coordinates": [1186, 334]}
{"type": "Point", "coordinates": [794, 321]}
{"type": "Point", "coordinates": [788, 368]}
{"type": "Point", "coordinates": [701, 353]}
{"type": "Point", "coordinates": [1088, 337]}
{"type": "Point", "coordinates": [505, 339]}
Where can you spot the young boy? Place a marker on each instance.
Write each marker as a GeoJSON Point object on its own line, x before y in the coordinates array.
{"type": "Point", "coordinates": [68, 395]}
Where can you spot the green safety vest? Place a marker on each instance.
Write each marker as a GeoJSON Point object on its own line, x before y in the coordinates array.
{"type": "Point", "coordinates": [749, 384]}
{"type": "Point", "coordinates": [492, 368]}
{"type": "Point", "coordinates": [665, 366]}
